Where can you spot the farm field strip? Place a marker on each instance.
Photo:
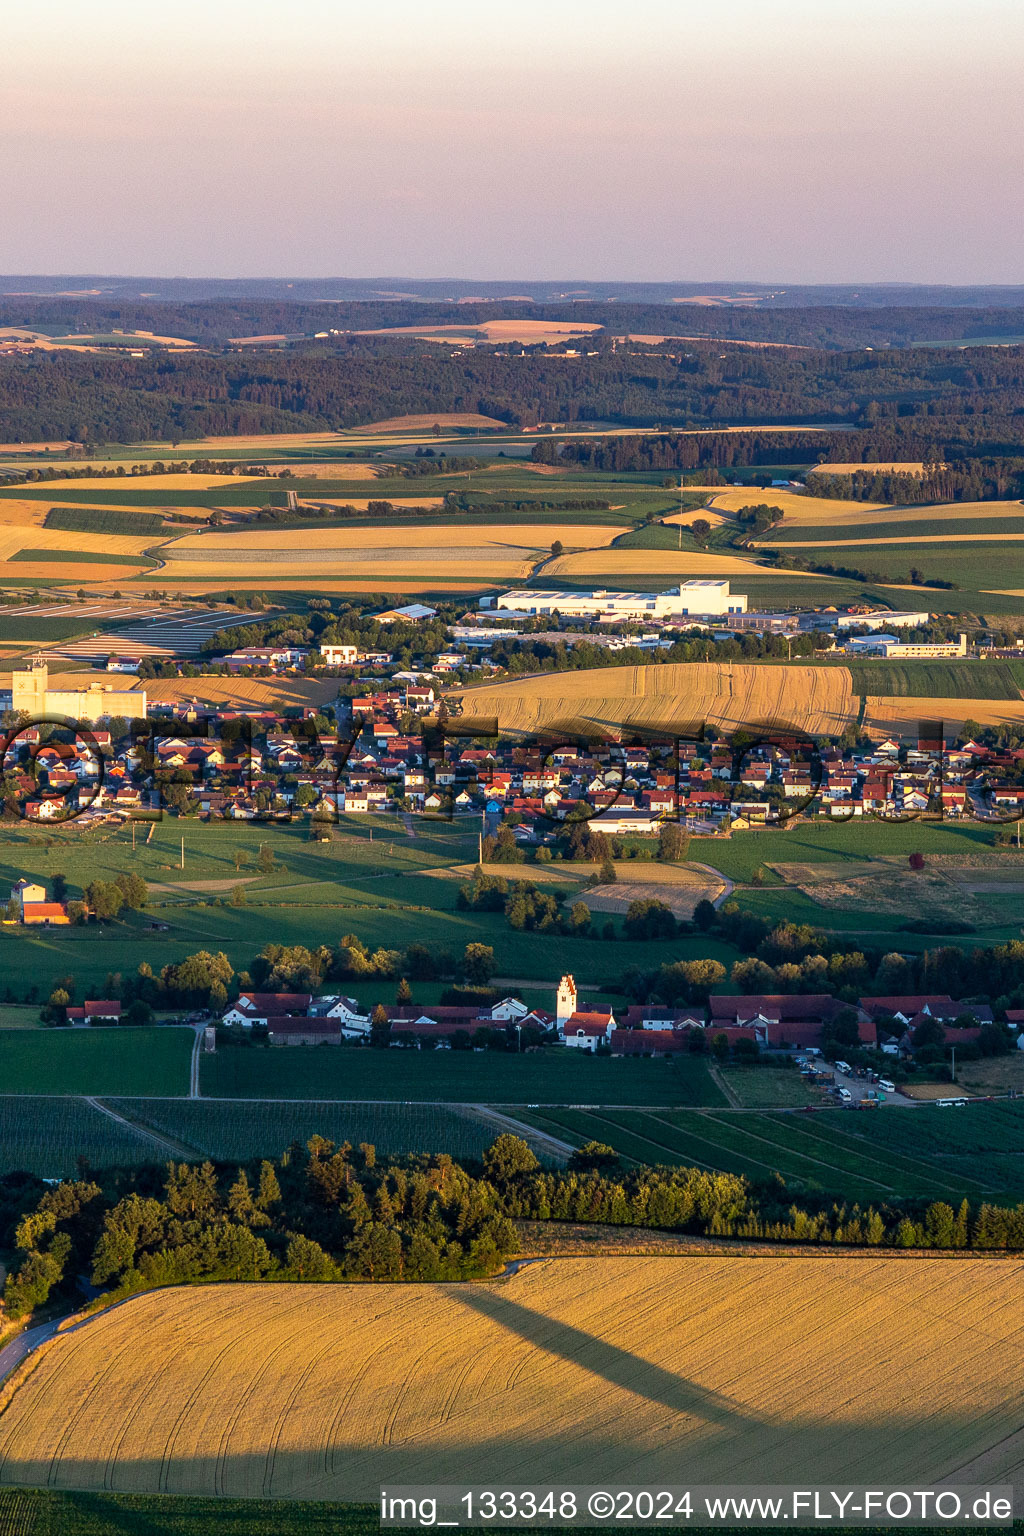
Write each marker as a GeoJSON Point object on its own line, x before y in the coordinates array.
{"type": "Point", "coordinates": [47, 1136]}
{"type": "Point", "coordinates": [554, 1373]}
{"type": "Point", "coordinates": [858, 1150]}
{"type": "Point", "coordinates": [227, 1129]}
{"type": "Point", "coordinates": [832, 1150]}
{"type": "Point", "coordinates": [762, 1153]}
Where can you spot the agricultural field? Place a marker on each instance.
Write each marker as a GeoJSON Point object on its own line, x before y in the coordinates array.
{"type": "Point", "coordinates": [797, 507]}
{"type": "Point", "coordinates": [818, 700]}
{"type": "Point", "coordinates": [838, 1153]}
{"type": "Point", "coordinates": [47, 1136]}
{"type": "Point", "coordinates": [228, 1130]}
{"type": "Point", "coordinates": [115, 1060]}
{"type": "Point", "coordinates": [551, 1076]}
{"type": "Point", "coordinates": [847, 844]}
{"type": "Point", "coordinates": [116, 520]}
{"type": "Point", "coordinates": [43, 1512]}
{"type": "Point", "coordinates": [555, 1374]}
{"type": "Point", "coordinates": [952, 522]}
{"type": "Point", "coordinates": [528, 331]}
{"type": "Point", "coordinates": [488, 552]}
{"type": "Point", "coordinates": [765, 1088]}
{"type": "Point", "coordinates": [382, 890]}
{"type": "Point", "coordinates": [621, 564]}
{"type": "Point", "coordinates": [937, 679]}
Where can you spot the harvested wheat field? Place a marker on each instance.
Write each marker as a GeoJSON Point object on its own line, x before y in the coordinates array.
{"type": "Point", "coordinates": [918, 540]}
{"type": "Point", "coordinates": [313, 581]}
{"type": "Point", "coordinates": [22, 513]}
{"type": "Point", "coordinates": [485, 552]}
{"type": "Point", "coordinates": [610, 1370]}
{"type": "Point", "coordinates": [672, 697]}
{"type": "Point", "coordinates": [242, 691]}
{"type": "Point", "coordinates": [616, 564]}
{"type": "Point", "coordinates": [890, 467]}
{"type": "Point", "coordinates": [529, 332]}
{"type": "Point", "coordinates": [796, 507]}
{"type": "Point", "coordinates": [901, 715]}
{"type": "Point", "coordinates": [450, 419]}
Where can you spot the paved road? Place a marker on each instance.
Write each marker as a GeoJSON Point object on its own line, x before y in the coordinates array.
{"type": "Point", "coordinates": [15, 1352]}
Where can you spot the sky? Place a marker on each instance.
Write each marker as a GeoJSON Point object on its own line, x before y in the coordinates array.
{"type": "Point", "coordinates": [771, 140]}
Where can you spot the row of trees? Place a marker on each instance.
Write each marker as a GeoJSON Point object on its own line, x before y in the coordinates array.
{"type": "Point", "coordinates": [327, 1212]}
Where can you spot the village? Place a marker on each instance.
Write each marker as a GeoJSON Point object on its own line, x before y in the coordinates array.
{"type": "Point", "coordinates": [816, 1029]}
{"type": "Point", "coordinates": [395, 750]}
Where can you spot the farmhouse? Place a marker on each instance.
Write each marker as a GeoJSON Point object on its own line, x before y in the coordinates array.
{"type": "Point", "coordinates": [259, 1007]}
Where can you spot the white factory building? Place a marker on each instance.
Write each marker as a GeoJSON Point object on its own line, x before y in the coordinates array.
{"type": "Point", "coordinates": [894, 648]}
{"type": "Point", "coordinates": [691, 600]}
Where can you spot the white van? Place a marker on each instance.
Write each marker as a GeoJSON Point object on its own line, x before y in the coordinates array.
{"type": "Point", "coordinates": [886, 1085]}
{"type": "Point", "coordinates": [843, 1066]}
{"type": "Point", "coordinates": [846, 1095]}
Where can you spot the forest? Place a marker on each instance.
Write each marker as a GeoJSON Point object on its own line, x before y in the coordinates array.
{"type": "Point", "coordinates": [826, 319]}
{"type": "Point", "coordinates": [916, 403]}
{"type": "Point", "coordinates": [327, 1212]}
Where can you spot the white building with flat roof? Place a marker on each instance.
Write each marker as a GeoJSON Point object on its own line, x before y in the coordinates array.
{"type": "Point", "coordinates": [696, 600]}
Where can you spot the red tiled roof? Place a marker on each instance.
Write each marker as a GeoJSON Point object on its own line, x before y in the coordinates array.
{"type": "Point", "coordinates": [784, 1006]}
{"type": "Point", "coordinates": [267, 1002]}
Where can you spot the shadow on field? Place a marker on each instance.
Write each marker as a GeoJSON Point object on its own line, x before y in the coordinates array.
{"type": "Point", "coordinates": [614, 1365]}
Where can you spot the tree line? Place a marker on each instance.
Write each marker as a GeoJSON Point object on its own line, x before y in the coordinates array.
{"type": "Point", "coordinates": [327, 1212]}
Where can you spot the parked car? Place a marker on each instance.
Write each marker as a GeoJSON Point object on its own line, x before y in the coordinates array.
{"type": "Point", "coordinates": [887, 1084]}
{"type": "Point", "coordinates": [845, 1095]}
{"type": "Point", "coordinates": [844, 1067]}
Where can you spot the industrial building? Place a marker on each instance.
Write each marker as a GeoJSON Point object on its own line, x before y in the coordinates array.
{"type": "Point", "coordinates": [694, 600]}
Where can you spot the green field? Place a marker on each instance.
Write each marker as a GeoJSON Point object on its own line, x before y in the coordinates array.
{"type": "Point", "coordinates": [552, 1076]}
{"type": "Point", "coordinates": [47, 1136]}
{"type": "Point", "coordinates": [36, 628]}
{"type": "Point", "coordinates": [87, 557]}
{"type": "Point", "coordinates": [974, 568]}
{"type": "Point", "coordinates": [765, 1088]}
{"type": "Point", "coordinates": [867, 1156]}
{"type": "Point", "coordinates": [938, 679]}
{"type": "Point", "coordinates": [103, 519]}
{"type": "Point", "coordinates": [95, 1061]}
{"type": "Point", "coordinates": [32, 1512]}
{"type": "Point", "coordinates": [381, 890]}
{"type": "Point", "coordinates": [850, 533]}
{"type": "Point", "coordinates": [824, 842]}
{"type": "Point", "coordinates": [225, 1129]}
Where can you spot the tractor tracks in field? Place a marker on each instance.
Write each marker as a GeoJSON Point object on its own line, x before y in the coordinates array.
{"type": "Point", "coordinates": [167, 1144]}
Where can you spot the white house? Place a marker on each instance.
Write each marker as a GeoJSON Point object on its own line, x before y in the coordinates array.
{"type": "Point", "coordinates": [587, 1031]}
{"type": "Point", "coordinates": [339, 655]}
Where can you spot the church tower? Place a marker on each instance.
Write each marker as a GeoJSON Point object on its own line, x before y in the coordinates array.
{"type": "Point", "coordinates": [565, 1002]}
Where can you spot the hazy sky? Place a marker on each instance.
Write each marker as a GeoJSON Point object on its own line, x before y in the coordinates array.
{"type": "Point", "coordinates": [799, 140]}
